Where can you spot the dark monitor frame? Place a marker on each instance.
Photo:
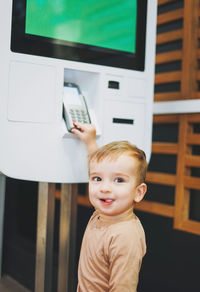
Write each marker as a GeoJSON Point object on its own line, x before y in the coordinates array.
{"type": "Point", "coordinates": [48, 47]}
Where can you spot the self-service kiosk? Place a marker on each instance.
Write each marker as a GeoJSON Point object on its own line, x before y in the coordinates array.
{"type": "Point", "coordinates": [106, 48]}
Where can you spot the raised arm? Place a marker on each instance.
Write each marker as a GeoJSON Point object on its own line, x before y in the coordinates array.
{"type": "Point", "coordinates": [87, 133]}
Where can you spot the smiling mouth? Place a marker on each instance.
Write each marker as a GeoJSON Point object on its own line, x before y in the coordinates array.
{"type": "Point", "coordinates": [107, 201]}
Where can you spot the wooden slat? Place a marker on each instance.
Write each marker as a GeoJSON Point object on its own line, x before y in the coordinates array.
{"type": "Point", "coordinates": [198, 32]}
{"type": "Point", "coordinates": [191, 226]}
{"type": "Point", "coordinates": [172, 96]}
{"type": "Point", "coordinates": [167, 96]}
{"type": "Point", "coordinates": [198, 53]}
{"type": "Point", "coordinates": [166, 119]}
{"type": "Point", "coordinates": [182, 203]}
{"type": "Point", "coordinates": [161, 178]}
{"type": "Point", "coordinates": [167, 77]}
{"type": "Point", "coordinates": [193, 139]}
{"type": "Point", "coordinates": [170, 16]}
{"type": "Point", "coordinates": [164, 148]}
{"type": "Point", "coordinates": [162, 2]}
{"type": "Point", "coordinates": [190, 46]}
{"type": "Point", "coordinates": [168, 37]}
{"type": "Point", "coordinates": [194, 118]}
{"type": "Point", "coordinates": [198, 75]}
{"type": "Point", "coordinates": [195, 95]}
{"type": "Point", "coordinates": [81, 200]}
{"type": "Point", "coordinates": [192, 160]}
{"type": "Point", "coordinates": [168, 57]}
{"type": "Point", "coordinates": [156, 208]}
{"type": "Point", "coordinates": [192, 182]}
{"type": "Point", "coordinates": [84, 201]}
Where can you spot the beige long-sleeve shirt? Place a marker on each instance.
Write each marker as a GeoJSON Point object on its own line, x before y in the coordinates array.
{"type": "Point", "coordinates": [111, 253]}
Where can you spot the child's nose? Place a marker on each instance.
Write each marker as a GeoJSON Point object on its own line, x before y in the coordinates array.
{"type": "Point", "coordinates": [105, 187]}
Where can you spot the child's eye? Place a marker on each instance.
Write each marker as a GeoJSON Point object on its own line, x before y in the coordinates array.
{"type": "Point", "coordinates": [119, 180]}
{"type": "Point", "coordinates": [96, 178]}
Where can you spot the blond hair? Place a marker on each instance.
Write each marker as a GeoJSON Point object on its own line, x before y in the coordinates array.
{"type": "Point", "coordinates": [114, 149]}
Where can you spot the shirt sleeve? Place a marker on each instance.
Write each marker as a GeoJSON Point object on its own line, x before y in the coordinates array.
{"type": "Point", "coordinates": [125, 258]}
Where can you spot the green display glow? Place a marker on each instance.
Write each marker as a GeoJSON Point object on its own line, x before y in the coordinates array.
{"type": "Point", "coordinates": [104, 23]}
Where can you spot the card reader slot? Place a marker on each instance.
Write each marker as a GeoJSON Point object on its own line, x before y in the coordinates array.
{"type": "Point", "coordinates": [123, 121]}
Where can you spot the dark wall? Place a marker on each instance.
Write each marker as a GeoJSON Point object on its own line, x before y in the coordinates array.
{"type": "Point", "coordinates": [172, 262]}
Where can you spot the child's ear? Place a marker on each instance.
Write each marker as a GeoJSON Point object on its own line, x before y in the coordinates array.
{"type": "Point", "coordinates": [140, 192]}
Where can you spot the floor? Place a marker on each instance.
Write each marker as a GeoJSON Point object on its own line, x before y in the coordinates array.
{"type": "Point", "coordinates": [7, 284]}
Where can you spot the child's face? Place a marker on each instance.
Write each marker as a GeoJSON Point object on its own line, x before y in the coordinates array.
{"type": "Point", "coordinates": [113, 187]}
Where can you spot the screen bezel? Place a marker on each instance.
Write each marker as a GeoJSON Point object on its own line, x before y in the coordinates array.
{"type": "Point", "coordinates": [48, 47]}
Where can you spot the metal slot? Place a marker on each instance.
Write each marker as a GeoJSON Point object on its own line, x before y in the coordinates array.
{"type": "Point", "coordinates": [123, 121]}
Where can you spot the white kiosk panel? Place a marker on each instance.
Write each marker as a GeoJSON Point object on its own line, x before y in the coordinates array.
{"type": "Point", "coordinates": [117, 86]}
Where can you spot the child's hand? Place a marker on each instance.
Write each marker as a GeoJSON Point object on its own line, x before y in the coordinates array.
{"type": "Point", "coordinates": [87, 133]}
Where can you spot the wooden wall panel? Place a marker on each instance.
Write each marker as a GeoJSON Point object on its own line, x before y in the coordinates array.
{"type": "Point", "coordinates": [183, 180]}
{"type": "Point", "coordinates": [186, 36]}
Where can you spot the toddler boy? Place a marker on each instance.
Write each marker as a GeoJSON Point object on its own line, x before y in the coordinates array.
{"type": "Point", "coordinates": [114, 241]}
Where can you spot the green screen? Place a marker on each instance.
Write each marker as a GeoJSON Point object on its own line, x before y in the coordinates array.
{"type": "Point", "coordinates": [104, 23]}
